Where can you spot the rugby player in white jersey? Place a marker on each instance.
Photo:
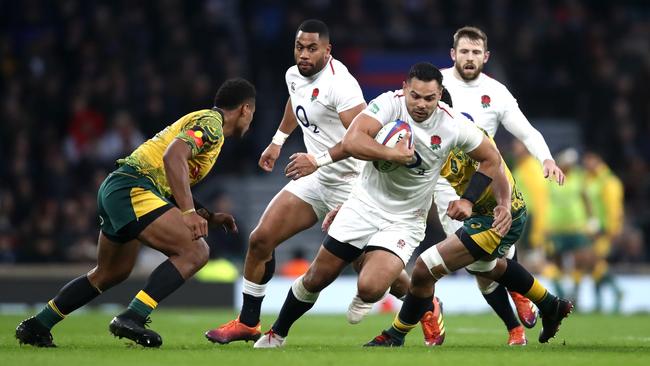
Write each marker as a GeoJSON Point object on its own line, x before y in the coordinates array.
{"type": "Point", "coordinates": [385, 216]}
{"type": "Point", "coordinates": [323, 100]}
{"type": "Point", "coordinates": [488, 103]}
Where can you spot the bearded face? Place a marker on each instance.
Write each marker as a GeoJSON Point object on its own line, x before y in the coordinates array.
{"type": "Point", "coordinates": [469, 58]}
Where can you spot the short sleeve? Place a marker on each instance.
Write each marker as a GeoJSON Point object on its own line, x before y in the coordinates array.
{"type": "Point", "coordinates": [383, 108]}
{"type": "Point", "coordinates": [202, 132]}
{"type": "Point", "coordinates": [346, 93]}
{"type": "Point", "coordinates": [469, 135]}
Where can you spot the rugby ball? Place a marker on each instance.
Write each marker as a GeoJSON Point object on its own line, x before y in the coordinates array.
{"type": "Point", "coordinates": [389, 136]}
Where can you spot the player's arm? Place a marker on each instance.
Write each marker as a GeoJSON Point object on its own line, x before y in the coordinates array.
{"type": "Point", "coordinates": [214, 219]}
{"type": "Point", "coordinates": [177, 173]}
{"type": "Point", "coordinates": [490, 171]}
{"type": "Point", "coordinates": [303, 164]}
{"type": "Point", "coordinates": [359, 142]}
{"type": "Point", "coordinates": [272, 152]}
{"type": "Point", "coordinates": [518, 125]}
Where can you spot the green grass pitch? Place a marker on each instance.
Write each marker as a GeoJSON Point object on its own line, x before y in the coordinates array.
{"type": "Point", "coordinates": [315, 340]}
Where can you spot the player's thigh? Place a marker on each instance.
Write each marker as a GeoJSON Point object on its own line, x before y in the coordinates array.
{"type": "Point", "coordinates": [169, 234]}
{"type": "Point", "coordinates": [380, 269]}
{"type": "Point", "coordinates": [115, 261]}
{"type": "Point", "coordinates": [285, 216]}
{"type": "Point", "coordinates": [453, 253]}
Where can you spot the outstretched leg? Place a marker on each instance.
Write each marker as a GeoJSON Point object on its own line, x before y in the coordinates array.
{"type": "Point", "coordinates": [114, 264]}
{"type": "Point", "coordinates": [285, 216]}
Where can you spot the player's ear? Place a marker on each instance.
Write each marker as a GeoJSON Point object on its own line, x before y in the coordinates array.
{"type": "Point", "coordinates": [452, 53]}
{"type": "Point", "coordinates": [486, 56]}
{"type": "Point", "coordinates": [328, 49]}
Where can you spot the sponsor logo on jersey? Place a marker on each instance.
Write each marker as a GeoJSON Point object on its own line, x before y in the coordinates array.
{"type": "Point", "coordinates": [374, 108]}
{"type": "Point", "coordinates": [475, 225]}
{"type": "Point", "coordinates": [292, 87]}
{"type": "Point", "coordinates": [101, 220]}
{"type": "Point", "coordinates": [485, 101]}
{"type": "Point", "coordinates": [435, 142]}
{"type": "Point", "coordinates": [503, 249]}
{"type": "Point", "coordinates": [314, 94]}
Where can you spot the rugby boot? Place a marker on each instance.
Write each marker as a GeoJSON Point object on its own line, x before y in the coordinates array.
{"type": "Point", "coordinates": [358, 310]}
{"type": "Point", "coordinates": [526, 310]}
{"type": "Point", "coordinates": [232, 331]}
{"type": "Point", "coordinates": [124, 327]}
{"type": "Point", "coordinates": [269, 340]}
{"type": "Point", "coordinates": [384, 340]}
{"type": "Point", "coordinates": [31, 331]}
{"type": "Point", "coordinates": [517, 336]}
{"type": "Point", "coordinates": [551, 322]}
{"type": "Point", "coordinates": [433, 326]}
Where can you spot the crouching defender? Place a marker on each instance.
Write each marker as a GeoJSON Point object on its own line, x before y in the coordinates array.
{"type": "Point", "coordinates": [135, 206]}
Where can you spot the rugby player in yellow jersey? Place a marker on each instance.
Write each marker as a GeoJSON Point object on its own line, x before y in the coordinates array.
{"type": "Point", "coordinates": [135, 207]}
{"type": "Point", "coordinates": [479, 247]}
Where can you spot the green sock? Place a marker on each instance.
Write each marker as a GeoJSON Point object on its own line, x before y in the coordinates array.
{"type": "Point", "coordinates": [50, 315]}
{"type": "Point", "coordinates": [142, 305]}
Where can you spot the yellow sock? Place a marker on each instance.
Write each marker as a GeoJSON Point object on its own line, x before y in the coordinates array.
{"type": "Point", "coordinates": [537, 292]}
{"type": "Point", "coordinates": [401, 327]}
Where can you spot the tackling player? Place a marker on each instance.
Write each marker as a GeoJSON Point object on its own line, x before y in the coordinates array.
{"type": "Point", "coordinates": [488, 103]}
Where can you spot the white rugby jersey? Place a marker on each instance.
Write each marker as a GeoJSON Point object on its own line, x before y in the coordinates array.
{"type": "Point", "coordinates": [488, 103]}
{"type": "Point", "coordinates": [410, 188]}
{"type": "Point", "coordinates": [316, 102]}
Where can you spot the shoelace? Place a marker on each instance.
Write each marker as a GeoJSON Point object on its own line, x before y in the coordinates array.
{"type": "Point", "coordinates": [231, 324]}
{"type": "Point", "coordinates": [147, 321]}
{"type": "Point", "coordinates": [271, 334]}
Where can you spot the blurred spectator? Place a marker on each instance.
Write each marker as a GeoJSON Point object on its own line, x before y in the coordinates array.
{"type": "Point", "coordinates": [120, 140]}
{"type": "Point", "coordinates": [67, 66]}
{"type": "Point", "coordinates": [296, 266]}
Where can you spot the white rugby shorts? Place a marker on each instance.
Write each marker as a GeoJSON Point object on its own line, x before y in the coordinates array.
{"type": "Point", "coordinates": [322, 198]}
{"type": "Point", "coordinates": [362, 225]}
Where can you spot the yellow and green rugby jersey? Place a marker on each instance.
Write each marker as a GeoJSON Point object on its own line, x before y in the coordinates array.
{"type": "Point", "coordinates": [458, 170]}
{"type": "Point", "coordinates": [201, 130]}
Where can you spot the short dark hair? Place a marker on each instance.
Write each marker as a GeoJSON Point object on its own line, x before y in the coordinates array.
{"type": "Point", "coordinates": [472, 33]}
{"type": "Point", "coordinates": [425, 71]}
{"type": "Point", "coordinates": [233, 92]}
{"type": "Point", "coordinates": [315, 26]}
{"type": "Point", "coordinates": [446, 97]}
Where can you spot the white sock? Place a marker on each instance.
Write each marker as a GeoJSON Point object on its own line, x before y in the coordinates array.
{"type": "Point", "coordinates": [253, 289]}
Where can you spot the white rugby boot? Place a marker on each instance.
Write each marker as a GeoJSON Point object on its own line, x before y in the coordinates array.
{"type": "Point", "coordinates": [269, 340]}
{"type": "Point", "coordinates": [358, 310]}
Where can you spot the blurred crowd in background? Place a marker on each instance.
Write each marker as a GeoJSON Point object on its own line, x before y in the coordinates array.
{"type": "Point", "coordinates": [84, 82]}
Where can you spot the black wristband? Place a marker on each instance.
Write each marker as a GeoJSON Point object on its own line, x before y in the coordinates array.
{"type": "Point", "coordinates": [477, 185]}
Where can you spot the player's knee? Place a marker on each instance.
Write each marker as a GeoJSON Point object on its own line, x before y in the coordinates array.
{"type": "Point", "coordinates": [370, 291]}
{"type": "Point", "coordinates": [432, 261]}
{"type": "Point", "coordinates": [198, 254]}
{"type": "Point", "coordinates": [486, 285]}
{"type": "Point", "coordinates": [421, 275]}
{"type": "Point", "coordinates": [260, 246]}
{"type": "Point", "coordinates": [313, 281]}
{"type": "Point", "coordinates": [105, 278]}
